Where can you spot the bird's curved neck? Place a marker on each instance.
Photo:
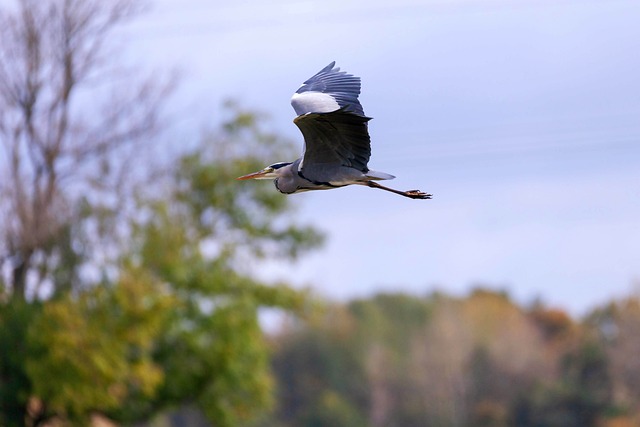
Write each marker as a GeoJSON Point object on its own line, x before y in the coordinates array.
{"type": "Point", "coordinates": [286, 182]}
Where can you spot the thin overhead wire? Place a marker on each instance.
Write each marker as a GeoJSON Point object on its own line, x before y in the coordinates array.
{"type": "Point", "coordinates": [207, 18]}
{"type": "Point", "coordinates": [204, 18]}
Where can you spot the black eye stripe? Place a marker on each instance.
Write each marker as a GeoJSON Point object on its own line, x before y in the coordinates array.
{"type": "Point", "coordinates": [279, 165]}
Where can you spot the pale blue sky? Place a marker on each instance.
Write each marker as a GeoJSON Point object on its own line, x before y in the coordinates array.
{"type": "Point", "coordinates": [522, 118]}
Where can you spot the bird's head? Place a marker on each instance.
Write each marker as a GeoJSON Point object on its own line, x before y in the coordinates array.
{"type": "Point", "coordinates": [270, 172]}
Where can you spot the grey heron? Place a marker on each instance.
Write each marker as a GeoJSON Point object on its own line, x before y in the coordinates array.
{"type": "Point", "coordinates": [337, 146]}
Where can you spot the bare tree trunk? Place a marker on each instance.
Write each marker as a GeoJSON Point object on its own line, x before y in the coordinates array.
{"type": "Point", "coordinates": [20, 269]}
{"type": "Point", "coordinates": [59, 128]}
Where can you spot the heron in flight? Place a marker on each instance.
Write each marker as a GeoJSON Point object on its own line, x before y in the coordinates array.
{"type": "Point", "coordinates": [337, 146]}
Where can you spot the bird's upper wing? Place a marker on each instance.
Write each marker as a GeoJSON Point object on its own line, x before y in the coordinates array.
{"type": "Point", "coordinates": [332, 122]}
{"type": "Point", "coordinates": [329, 90]}
{"type": "Point", "coordinates": [338, 138]}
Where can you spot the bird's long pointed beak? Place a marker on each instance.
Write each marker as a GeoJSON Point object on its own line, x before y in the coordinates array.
{"type": "Point", "coordinates": [252, 175]}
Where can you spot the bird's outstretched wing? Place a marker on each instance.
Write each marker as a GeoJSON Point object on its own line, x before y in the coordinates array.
{"type": "Point", "coordinates": [332, 122]}
{"type": "Point", "coordinates": [329, 90]}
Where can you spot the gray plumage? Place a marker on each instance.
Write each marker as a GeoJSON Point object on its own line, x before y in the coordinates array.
{"type": "Point", "coordinates": [337, 145]}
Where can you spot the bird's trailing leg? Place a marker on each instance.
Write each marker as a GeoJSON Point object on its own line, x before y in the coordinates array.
{"type": "Point", "coordinates": [413, 194]}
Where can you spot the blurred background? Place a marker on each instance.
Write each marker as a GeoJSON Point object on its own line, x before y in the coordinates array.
{"type": "Point", "coordinates": [140, 283]}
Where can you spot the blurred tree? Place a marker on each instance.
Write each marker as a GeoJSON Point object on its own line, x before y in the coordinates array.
{"type": "Point", "coordinates": [15, 384]}
{"type": "Point", "coordinates": [331, 410]}
{"type": "Point", "coordinates": [474, 357]}
{"type": "Point", "coordinates": [352, 364]}
{"type": "Point", "coordinates": [553, 323]}
{"type": "Point", "coordinates": [617, 325]}
{"type": "Point", "coordinates": [67, 117]}
{"type": "Point", "coordinates": [587, 378]}
{"type": "Point", "coordinates": [94, 351]}
{"type": "Point", "coordinates": [475, 361]}
{"type": "Point", "coordinates": [439, 356]}
{"type": "Point", "coordinates": [68, 114]}
{"type": "Point", "coordinates": [321, 381]}
{"type": "Point", "coordinates": [481, 360]}
{"type": "Point", "coordinates": [487, 387]}
{"type": "Point", "coordinates": [203, 239]}
{"type": "Point", "coordinates": [580, 397]}
{"type": "Point", "coordinates": [386, 326]}
{"type": "Point", "coordinates": [180, 325]}
{"type": "Point", "coordinates": [111, 300]}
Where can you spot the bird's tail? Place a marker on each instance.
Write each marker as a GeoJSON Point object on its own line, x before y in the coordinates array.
{"type": "Point", "coordinates": [378, 176]}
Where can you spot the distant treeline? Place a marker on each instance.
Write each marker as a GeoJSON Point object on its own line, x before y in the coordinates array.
{"type": "Point", "coordinates": [482, 360]}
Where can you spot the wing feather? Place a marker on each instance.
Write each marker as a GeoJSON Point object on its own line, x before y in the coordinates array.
{"type": "Point", "coordinates": [333, 124]}
{"type": "Point", "coordinates": [338, 138]}
{"type": "Point", "coordinates": [328, 90]}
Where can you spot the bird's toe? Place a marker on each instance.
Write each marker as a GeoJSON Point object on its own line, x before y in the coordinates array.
{"type": "Point", "coordinates": [417, 194]}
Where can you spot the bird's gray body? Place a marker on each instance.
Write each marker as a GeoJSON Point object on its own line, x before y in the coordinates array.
{"type": "Point", "coordinates": [292, 180]}
{"type": "Point", "coordinates": [337, 144]}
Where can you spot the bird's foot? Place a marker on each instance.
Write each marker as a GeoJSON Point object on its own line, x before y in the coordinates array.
{"type": "Point", "coordinates": [413, 194]}
{"type": "Point", "coordinates": [417, 194]}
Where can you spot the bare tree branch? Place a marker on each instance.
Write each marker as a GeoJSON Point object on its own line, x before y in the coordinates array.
{"type": "Point", "coordinates": [55, 126]}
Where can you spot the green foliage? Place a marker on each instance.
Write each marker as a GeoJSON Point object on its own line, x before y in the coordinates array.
{"type": "Point", "coordinates": [115, 299]}
{"type": "Point", "coordinates": [581, 396]}
{"type": "Point", "coordinates": [94, 350]}
{"type": "Point", "coordinates": [239, 360]}
{"type": "Point", "coordinates": [199, 241]}
{"type": "Point", "coordinates": [175, 321]}
{"type": "Point", "coordinates": [247, 214]}
{"type": "Point", "coordinates": [352, 359]}
{"type": "Point", "coordinates": [381, 317]}
{"type": "Point", "coordinates": [317, 366]}
{"type": "Point", "coordinates": [15, 318]}
{"type": "Point", "coordinates": [331, 410]}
